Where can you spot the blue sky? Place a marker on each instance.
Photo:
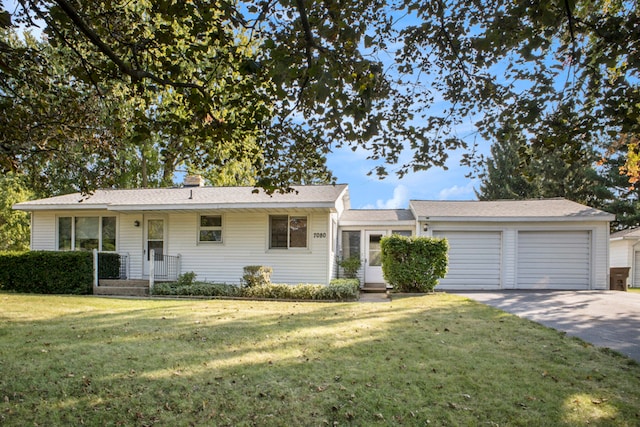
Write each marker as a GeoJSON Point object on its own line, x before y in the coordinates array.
{"type": "Point", "coordinates": [393, 193]}
{"type": "Point", "coordinates": [351, 168]}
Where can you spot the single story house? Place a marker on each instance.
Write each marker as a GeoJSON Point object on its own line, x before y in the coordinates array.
{"type": "Point", "coordinates": [216, 231]}
{"type": "Point", "coordinates": [625, 252]}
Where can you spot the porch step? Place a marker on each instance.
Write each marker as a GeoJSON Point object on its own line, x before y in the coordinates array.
{"type": "Point", "coordinates": [374, 288]}
{"type": "Point", "coordinates": [131, 283]}
{"type": "Point", "coordinates": [133, 291]}
{"type": "Point", "coordinates": [138, 288]}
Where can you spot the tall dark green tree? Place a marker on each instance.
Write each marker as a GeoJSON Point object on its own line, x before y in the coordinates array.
{"type": "Point", "coordinates": [518, 171]}
{"type": "Point", "coordinates": [506, 175]}
{"type": "Point", "coordinates": [514, 172]}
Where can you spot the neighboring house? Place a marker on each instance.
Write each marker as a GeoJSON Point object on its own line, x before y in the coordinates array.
{"type": "Point", "coordinates": [216, 231]}
{"type": "Point", "coordinates": [625, 252]}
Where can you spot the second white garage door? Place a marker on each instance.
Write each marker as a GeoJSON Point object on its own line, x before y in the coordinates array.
{"type": "Point", "coordinates": [554, 260]}
{"type": "Point", "coordinates": [474, 259]}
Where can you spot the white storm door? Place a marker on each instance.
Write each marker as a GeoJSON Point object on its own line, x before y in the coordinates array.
{"type": "Point", "coordinates": [373, 257]}
{"type": "Point", "coordinates": [154, 236]}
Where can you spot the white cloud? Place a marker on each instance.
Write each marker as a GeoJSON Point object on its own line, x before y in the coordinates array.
{"type": "Point", "coordinates": [398, 201]}
{"type": "Point", "coordinates": [458, 192]}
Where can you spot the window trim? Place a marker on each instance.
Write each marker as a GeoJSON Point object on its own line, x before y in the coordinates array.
{"type": "Point", "coordinates": [73, 231]}
{"type": "Point", "coordinates": [211, 228]}
{"type": "Point", "coordinates": [288, 239]}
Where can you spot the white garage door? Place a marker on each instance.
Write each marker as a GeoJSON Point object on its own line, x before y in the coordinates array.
{"type": "Point", "coordinates": [474, 259]}
{"type": "Point", "coordinates": [554, 260]}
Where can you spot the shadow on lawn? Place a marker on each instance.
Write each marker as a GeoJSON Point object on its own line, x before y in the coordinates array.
{"type": "Point", "coordinates": [605, 319]}
{"type": "Point", "coordinates": [441, 360]}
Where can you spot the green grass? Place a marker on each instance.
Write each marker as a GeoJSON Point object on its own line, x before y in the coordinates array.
{"type": "Point", "coordinates": [436, 359]}
{"type": "Point", "coordinates": [636, 290]}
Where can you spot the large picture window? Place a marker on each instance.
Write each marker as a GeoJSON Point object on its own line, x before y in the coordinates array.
{"type": "Point", "coordinates": [87, 233]}
{"type": "Point", "coordinates": [210, 229]}
{"type": "Point", "coordinates": [287, 232]}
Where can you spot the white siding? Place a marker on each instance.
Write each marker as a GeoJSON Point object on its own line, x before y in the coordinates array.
{"type": "Point", "coordinates": [245, 242]}
{"type": "Point", "coordinates": [43, 231]}
{"type": "Point", "coordinates": [130, 242]}
{"type": "Point", "coordinates": [634, 273]}
{"type": "Point", "coordinates": [554, 260]}
{"type": "Point", "coordinates": [621, 253]}
{"type": "Point", "coordinates": [600, 255]}
{"type": "Point", "coordinates": [474, 259]}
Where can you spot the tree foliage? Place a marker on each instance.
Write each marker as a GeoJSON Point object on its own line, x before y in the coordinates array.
{"type": "Point", "coordinates": [513, 172]}
{"type": "Point", "coordinates": [14, 225]}
{"type": "Point", "coordinates": [279, 84]}
{"type": "Point", "coordinates": [516, 171]}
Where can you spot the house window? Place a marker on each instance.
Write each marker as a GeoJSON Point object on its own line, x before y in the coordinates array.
{"type": "Point", "coordinates": [108, 233]}
{"type": "Point", "coordinates": [350, 244]}
{"type": "Point", "coordinates": [87, 233]}
{"type": "Point", "coordinates": [287, 232]}
{"type": "Point", "coordinates": [65, 233]}
{"type": "Point", "coordinates": [405, 233]}
{"type": "Point", "coordinates": [210, 228]}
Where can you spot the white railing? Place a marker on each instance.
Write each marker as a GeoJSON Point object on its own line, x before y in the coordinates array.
{"type": "Point", "coordinates": [162, 266]}
{"type": "Point", "coordinates": [123, 272]}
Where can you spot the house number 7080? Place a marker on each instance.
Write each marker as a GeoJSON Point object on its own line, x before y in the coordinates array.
{"type": "Point", "coordinates": [319, 235]}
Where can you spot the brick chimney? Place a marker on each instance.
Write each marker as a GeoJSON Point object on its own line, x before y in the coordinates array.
{"type": "Point", "coordinates": [193, 181]}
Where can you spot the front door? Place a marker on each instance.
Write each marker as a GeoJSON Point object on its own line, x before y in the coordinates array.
{"type": "Point", "coordinates": [154, 239]}
{"type": "Point", "coordinates": [373, 260]}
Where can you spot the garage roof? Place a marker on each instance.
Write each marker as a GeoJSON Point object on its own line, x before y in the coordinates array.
{"type": "Point", "coordinates": [506, 210]}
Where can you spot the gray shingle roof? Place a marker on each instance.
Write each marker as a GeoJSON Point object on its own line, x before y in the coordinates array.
{"type": "Point", "coordinates": [506, 209]}
{"type": "Point", "coordinates": [631, 233]}
{"type": "Point", "coordinates": [191, 198]}
{"type": "Point", "coordinates": [380, 215]}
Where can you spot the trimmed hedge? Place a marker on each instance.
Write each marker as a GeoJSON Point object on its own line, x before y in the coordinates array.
{"type": "Point", "coordinates": [413, 264]}
{"type": "Point", "coordinates": [196, 289]}
{"type": "Point", "coordinates": [47, 272]}
{"type": "Point", "coordinates": [338, 289]}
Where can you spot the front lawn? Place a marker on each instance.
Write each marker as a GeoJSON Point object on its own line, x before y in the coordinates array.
{"type": "Point", "coordinates": [437, 359]}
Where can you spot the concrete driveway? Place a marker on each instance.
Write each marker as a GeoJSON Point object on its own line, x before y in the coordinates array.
{"type": "Point", "coordinates": [604, 318]}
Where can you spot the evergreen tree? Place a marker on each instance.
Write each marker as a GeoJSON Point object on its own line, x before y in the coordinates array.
{"type": "Point", "coordinates": [516, 170]}
{"type": "Point", "coordinates": [504, 176]}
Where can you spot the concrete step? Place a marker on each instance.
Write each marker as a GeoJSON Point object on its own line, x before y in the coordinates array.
{"type": "Point", "coordinates": [137, 291]}
{"type": "Point", "coordinates": [131, 283]}
{"type": "Point", "coordinates": [374, 288]}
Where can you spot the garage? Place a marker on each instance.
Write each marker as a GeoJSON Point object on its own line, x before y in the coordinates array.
{"type": "Point", "coordinates": [554, 260]}
{"type": "Point", "coordinates": [553, 244]}
{"type": "Point", "coordinates": [474, 259]}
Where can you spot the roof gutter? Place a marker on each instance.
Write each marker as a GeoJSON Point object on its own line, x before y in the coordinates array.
{"type": "Point", "coordinates": [75, 207]}
{"type": "Point", "coordinates": [606, 217]}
